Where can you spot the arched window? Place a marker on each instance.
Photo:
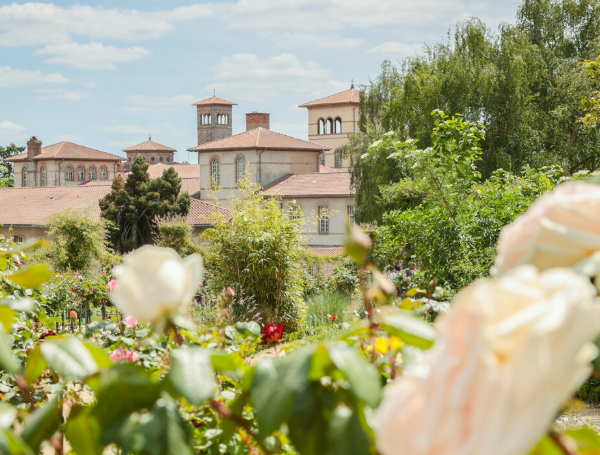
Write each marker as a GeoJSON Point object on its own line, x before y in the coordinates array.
{"type": "Point", "coordinates": [321, 126]}
{"type": "Point", "coordinates": [103, 173]}
{"type": "Point", "coordinates": [168, 159]}
{"type": "Point", "coordinates": [218, 119]}
{"type": "Point", "coordinates": [80, 173]}
{"type": "Point", "coordinates": [92, 173]}
{"type": "Point", "coordinates": [226, 122]}
{"type": "Point", "coordinates": [209, 119]}
{"type": "Point", "coordinates": [240, 167]}
{"type": "Point", "coordinates": [328, 126]}
{"type": "Point", "coordinates": [24, 179]}
{"type": "Point", "coordinates": [214, 172]}
{"type": "Point", "coordinates": [69, 173]}
{"type": "Point", "coordinates": [160, 159]}
{"type": "Point", "coordinates": [44, 176]}
{"type": "Point", "coordinates": [338, 125]}
{"type": "Point", "coordinates": [152, 159]}
{"type": "Point", "coordinates": [338, 159]}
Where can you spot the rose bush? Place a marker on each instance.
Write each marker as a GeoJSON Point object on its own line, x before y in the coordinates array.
{"type": "Point", "coordinates": [173, 285]}
{"type": "Point", "coordinates": [509, 354]}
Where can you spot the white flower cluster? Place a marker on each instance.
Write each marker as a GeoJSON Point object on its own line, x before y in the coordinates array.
{"type": "Point", "coordinates": [513, 349]}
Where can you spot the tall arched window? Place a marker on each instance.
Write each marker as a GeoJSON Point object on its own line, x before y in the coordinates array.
{"type": "Point", "coordinates": [160, 159]}
{"type": "Point", "coordinates": [338, 125]}
{"type": "Point", "coordinates": [69, 173]}
{"type": "Point", "coordinates": [92, 173]}
{"type": "Point", "coordinates": [209, 119]}
{"type": "Point", "coordinates": [226, 122]}
{"type": "Point", "coordinates": [24, 179]}
{"type": "Point", "coordinates": [338, 159]}
{"type": "Point", "coordinates": [218, 119]}
{"type": "Point", "coordinates": [328, 126]}
{"type": "Point", "coordinates": [214, 172]}
{"type": "Point", "coordinates": [80, 173]}
{"type": "Point", "coordinates": [240, 167]}
{"type": "Point", "coordinates": [103, 173]}
{"type": "Point", "coordinates": [43, 176]}
{"type": "Point", "coordinates": [321, 126]}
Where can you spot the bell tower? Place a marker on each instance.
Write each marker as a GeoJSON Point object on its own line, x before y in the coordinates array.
{"type": "Point", "coordinates": [214, 119]}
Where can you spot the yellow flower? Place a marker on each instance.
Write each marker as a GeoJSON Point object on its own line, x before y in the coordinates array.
{"type": "Point", "coordinates": [382, 345]}
{"type": "Point", "coordinates": [395, 343]}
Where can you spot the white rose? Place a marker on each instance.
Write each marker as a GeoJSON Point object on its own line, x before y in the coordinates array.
{"type": "Point", "coordinates": [560, 229]}
{"type": "Point", "coordinates": [154, 281]}
{"type": "Point", "coordinates": [510, 353]}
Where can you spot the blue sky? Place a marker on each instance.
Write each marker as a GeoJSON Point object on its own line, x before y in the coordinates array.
{"type": "Point", "coordinates": [107, 74]}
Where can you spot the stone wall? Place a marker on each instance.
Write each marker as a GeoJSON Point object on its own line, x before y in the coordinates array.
{"type": "Point", "coordinates": [208, 132]}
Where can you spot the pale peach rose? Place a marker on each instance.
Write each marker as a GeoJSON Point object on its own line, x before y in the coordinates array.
{"type": "Point", "coordinates": [560, 229]}
{"type": "Point", "coordinates": [508, 356]}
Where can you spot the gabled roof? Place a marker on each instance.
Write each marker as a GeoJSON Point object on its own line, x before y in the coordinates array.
{"type": "Point", "coordinates": [200, 213]}
{"type": "Point", "coordinates": [149, 146]}
{"type": "Point", "coordinates": [214, 100]}
{"type": "Point", "coordinates": [259, 138]}
{"type": "Point", "coordinates": [68, 150]}
{"type": "Point", "coordinates": [312, 185]}
{"type": "Point", "coordinates": [351, 96]}
{"type": "Point", "coordinates": [33, 206]}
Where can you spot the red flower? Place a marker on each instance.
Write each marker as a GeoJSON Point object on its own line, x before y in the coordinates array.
{"type": "Point", "coordinates": [73, 314]}
{"type": "Point", "coordinates": [47, 334]}
{"type": "Point", "coordinates": [18, 263]}
{"type": "Point", "coordinates": [103, 272]}
{"type": "Point", "coordinates": [272, 334]}
{"type": "Point", "coordinates": [333, 318]}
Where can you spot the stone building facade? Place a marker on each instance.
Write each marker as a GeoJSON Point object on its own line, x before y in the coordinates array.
{"type": "Point", "coordinates": [62, 164]}
{"type": "Point", "coordinates": [214, 119]}
{"type": "Point", "coordinates": [152, 152]}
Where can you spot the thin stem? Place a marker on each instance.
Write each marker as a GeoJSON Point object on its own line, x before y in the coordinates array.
{"type": "Point", "coordinates": [559, 441]}
{"type": "Point", "coordinates": [369, 309]}
{"type": "Point", "coordinates": [224, 410]}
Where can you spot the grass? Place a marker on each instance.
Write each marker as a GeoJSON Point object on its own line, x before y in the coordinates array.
{"type": "Point", "coordinates": [323, 307]}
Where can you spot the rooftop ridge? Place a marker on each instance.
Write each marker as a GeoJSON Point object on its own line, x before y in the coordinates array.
{"type": "Point", "coordinates": [313, 102]}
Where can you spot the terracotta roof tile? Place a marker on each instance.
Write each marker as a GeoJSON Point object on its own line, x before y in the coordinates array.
{"type": "Point", "coordinates": [69, 150]}
{"type": "Point", "coordinates": [329, 170]}
{"type": "Point", "coordinates": [326, 250]}
{"type": "Point", "coordinates": [200, 213]}
{"type": "Point", "coordinates": [313, 184]}
{"type": "Point", "coordinates": [214, 100]}
{"type": "Point", "coordinates": [149, 146]}
{"type": "Point", "coordinates": [259, 138]}
{"type": "Point", "coordinates": [32, 206]}
{"type": "Point", "coordinates": [351, 96]}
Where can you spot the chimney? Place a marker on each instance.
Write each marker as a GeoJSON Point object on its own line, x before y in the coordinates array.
{"type": "Point", "coordinates": [34, 147]}
{"type": "Point", "coordinates": [257, 120]}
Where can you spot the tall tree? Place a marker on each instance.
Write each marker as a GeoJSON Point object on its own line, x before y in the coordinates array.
{"type": "Point", "coordinates": [134, 206]}
{"type": "Point", "coordinates": [6, 168]}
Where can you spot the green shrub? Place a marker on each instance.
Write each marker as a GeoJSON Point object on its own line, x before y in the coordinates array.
{"type": "Point", "coordinates": [176, 233]}
{"type": "Point", "coordinates": [589, 391]}
{"type": "Point", "coordinates": [345, 278]}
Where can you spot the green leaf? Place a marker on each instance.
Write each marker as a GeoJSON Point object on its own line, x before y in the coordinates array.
{"type": "Point", "coordinates": [586, 438]}
{"type": "Point", "coordinates": [121, 390]}
{"type": "Point", "coordinates": [36, 364]}
{"type": "Point", "coordinates": [42, 424]}
{"type": "Point", "coordinates": [362, 376]}
{"type": "Point", "coordinates": [346, 435]}
{"type": "Point", "coordinates": [13, 445]}
{"type": "Point", "coordinates": [3, 263]}
{"type": "Point", "coordinates": [25, 304]}
{"type": "Point", "coordinates": [546, 446]}
{"type": "Point", "coordinates": [72, 358]}
{"type": "Point", "coordinates": [30, 277]}
{"type": "Point", "coordinates": [7, 361]}
{"type": "Point", "coordinates": [413, 331]}
{"type": "Point", "coordinates": [7, 415]}
{"type": "Point", "coordinates": [7, 317]}
{"type": "Point", "coordinates": [227, 362]}
{"type": "Point", "coordinates": [83, 431]}
{"type": "Point", "coordinates": [248, 328]}
{"type": "Point", "coordinates": [229, 427]}
{"type": "Point", "coordinates": [192, 375]}
{"type": "Point", "coordinates": [274, 386]}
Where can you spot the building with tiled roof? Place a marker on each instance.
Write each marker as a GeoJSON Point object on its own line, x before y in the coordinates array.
{"type": "Point", "coordinates": [259, 154]}
{"type": "Point", "coordinates": [24, 212]}
{"type": "Point", "coordinates": [330, 120]}
{"type": "Point", "coordinates": [326, 201]}
{"type": "Point", "coordinates": [151, 151]}
{"type": "Point", "coordinates": [62, 164]}
{"type": "Point", "coordinates": [214, 119]}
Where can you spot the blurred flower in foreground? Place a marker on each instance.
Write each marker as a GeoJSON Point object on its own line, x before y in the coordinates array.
{"type": "Point", "coordinates": [112, 285]}
{"type": "Point", "coordinates": [511, 352]}
{"type": "Point", "coordinates": [154, 282]}
{"type": "Point", "coordinates": [272, 334]}
{"type": "Point", "coordinates": [130, 322]}
{"type": "Point", "coordinates": [560, 229]}
{"type": "Point", "coordinates": [73, 314]}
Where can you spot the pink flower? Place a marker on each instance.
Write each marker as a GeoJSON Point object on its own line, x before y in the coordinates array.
{"type": "Point", "coordinates": [74, 273]}
{"type": "Point", "coordinates": [103, 272]}
{"type": "Point", "coordinates": [230, 291]}
{"type": "Point", "coordinates": [132, 356]}
{"type": "Point", "coordinates": [112, 285]}
{"type": "Point", "coordinates": [17, 263]}
{"type": "Point", "coordinates": [130, 322]}
{"type": "Point", "coordinates": [73, 314]}
{"type": "Point", "coordinates": [117, 355]}
{"type": "Point", "coordinates": [200, 284]}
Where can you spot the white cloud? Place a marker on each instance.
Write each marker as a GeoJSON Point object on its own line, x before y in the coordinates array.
{"type": "Point", "coordinates": [35, 24]}
{"type": "Point", "coordinates": [165, 128]}
{"type": "Point", "coordinates": [397, 49]}
{"type": "Point", "coordinates": [142, 103]}
{"type": "Point", "coordinates": [12, 131]}
{"type": "Point", "coordinates": [250, 77]}
{"type": "Point", "coordinates": [315, 41]}
{"type": "Point", "coordinates": [91, 56]}
{"type": "Point", "coordinates": [10, 77]}
{"type": "Point", "coordinates": [46, 94]}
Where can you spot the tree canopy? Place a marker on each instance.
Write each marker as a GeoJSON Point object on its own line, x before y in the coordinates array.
{"type": "Point", "coordinates": [134, 206]}
{"type": "Point", "coordinates": [6, 168]}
